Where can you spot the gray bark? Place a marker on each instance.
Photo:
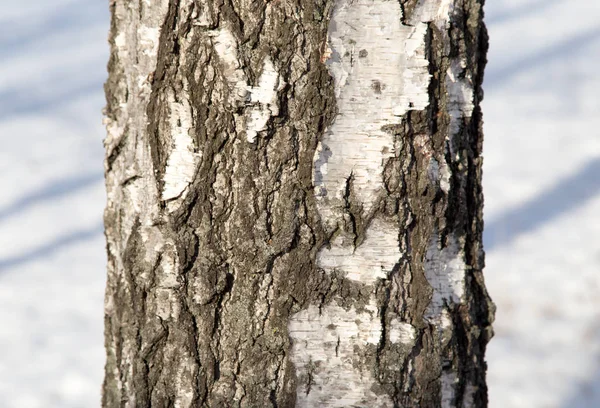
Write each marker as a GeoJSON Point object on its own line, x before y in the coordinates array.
{"type": "Point", "coordinates": [261, 251]}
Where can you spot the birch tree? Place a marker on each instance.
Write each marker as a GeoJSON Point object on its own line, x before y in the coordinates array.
{"type": "Point", "coordinates": [294, 213]}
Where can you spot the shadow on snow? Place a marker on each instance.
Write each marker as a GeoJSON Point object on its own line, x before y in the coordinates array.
{"type": "Point", "coordinates": [498, 76]}
{"type": "Point", "coordinates": [54, 190]}
{"type": "Point", "coordinates": [514, 13]}
{"type": "Point", "coordinates": [566, 195]}
{"type": "Point", "coordinates": [52, 247]}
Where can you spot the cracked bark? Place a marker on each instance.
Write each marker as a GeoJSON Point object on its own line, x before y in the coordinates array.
{"type": "Point", "coordinates": [248, 241]}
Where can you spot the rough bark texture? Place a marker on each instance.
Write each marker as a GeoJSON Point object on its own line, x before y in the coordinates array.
{"type": "Point", "coordinates": [294, 209]}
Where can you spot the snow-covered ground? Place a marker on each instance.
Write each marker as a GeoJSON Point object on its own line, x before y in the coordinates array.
{"type": "Point", "coordinates": [542, 192]}
{"type": "Point", "coordinates": [52, 260]}
{"type": "Point", "coordinates": [542, 187]}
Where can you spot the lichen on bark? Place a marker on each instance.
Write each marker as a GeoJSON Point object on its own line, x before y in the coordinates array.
{"type": "Point", "coordinates": [294, 204]}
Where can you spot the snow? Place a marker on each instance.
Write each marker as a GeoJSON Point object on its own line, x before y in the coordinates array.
{"type": "Point", "coordinates": [324, 355]}
{"type": "Point", "coordinates": [541, 179]}
{"type": "Point", "coordinates": [52, 260]}
{"type": "Point", "coordinates": [264, 98]}
{"type": "Point", "coordinates": [541, 186]}
{"type": "Point", "coordinates": [183, 160]}
{"type": "Point", "coordinates": [376, 82]}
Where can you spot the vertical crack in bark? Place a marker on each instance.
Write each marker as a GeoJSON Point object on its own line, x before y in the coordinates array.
{"type": "Point", "coordinates": [348, 206]}
{"type": "Point", "coordinates": [384, 304]}
{"type": "Point", "coordinates": [309, 376]}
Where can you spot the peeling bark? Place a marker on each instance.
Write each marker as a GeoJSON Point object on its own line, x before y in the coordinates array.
{"type": "Point", "coordinates": [294, 210]}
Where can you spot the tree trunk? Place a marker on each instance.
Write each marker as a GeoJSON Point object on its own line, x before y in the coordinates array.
{"type": "Point", "coordinates": [294, 210]}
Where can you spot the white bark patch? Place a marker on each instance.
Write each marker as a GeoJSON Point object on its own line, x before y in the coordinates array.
{"type": "Point", "coordinates": [126, 375]}
{"type": "Point", "coordinates": [448, 383]}
{"type": "Point", "coordinates": [380, 73]}
{"type": "Point", "coordinates": [372, 260]}
{"type": "Point", "coordinates": [433, 170]}
{"type": "Point", "coordinates": [114, 134]}
{"type": "Point", "coordinates": [143, 35]}
{"type": "Point", "coordinates": [183, 158]}
{"type": "Point", "coordinates": [443, 13]}
{"type": "Point", "coordinates": [169, 266]}
{"type": "Point", "coordinates": [445, 271]}
{"type": "Point", "coordinates": [202, 17]}
{"type": "Point", "coordinates": [328, 372]}
{"type": "Point", "coordinates": [444, 178]}
{"type": "Point", "coordinates": [460, 95]}
{"type": "Point", "coordinates": [402, 332]}
{"type": "Point", "coordinates": [264, 100]}
{"type": "Point", "coordinates": [153, 240]}
{"type": "Point", "coordinates": [166, 308]}
{"type": "Point", "coordinates": [324, 344]}
{"type": "Point", "coordinates": [436, 11]}
{"type": "Point", "coordinates": [185, 384]}
{"type": "Point", "coordinates": [440, 174]}
{"type": "Point", "coordinates": [445, 328]}
{"type": "Point", "coordinates": [149, 40]}
{"type": "Point", "coordinates": [226, 46]}
{"type": "Point", "coordinates": [167, 302]}
{"type": "Point", "coordinates": [261, 100]}
{"type": "Point", "coordinates": [120, 41]}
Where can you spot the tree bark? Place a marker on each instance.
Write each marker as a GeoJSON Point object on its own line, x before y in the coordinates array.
{"type": "Point", "coordinates": [294, 210]}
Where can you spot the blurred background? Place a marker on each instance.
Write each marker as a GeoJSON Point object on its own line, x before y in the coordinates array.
{"type": "Point", "coordinates": [542, 202]}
